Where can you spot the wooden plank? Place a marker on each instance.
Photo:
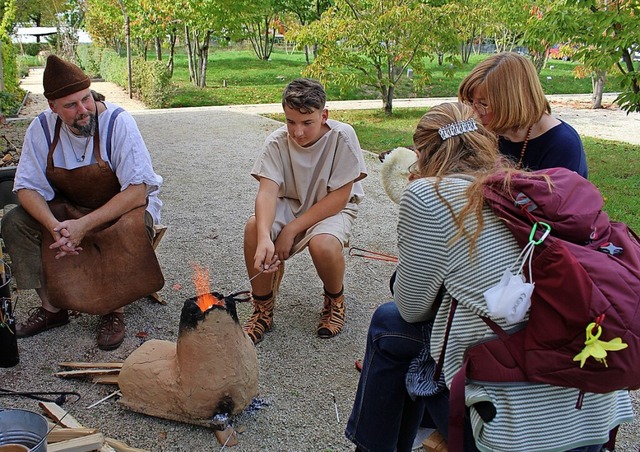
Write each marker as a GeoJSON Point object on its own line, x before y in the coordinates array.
{"type": "Point", "coordinates": [435, 443]}
{"type": "Point", "coordinates": [86, 373]}
{"type": "Point", "coordinates": [55, 412]}
{"type": "Point", "coordinates": [83, 444]}
{"type": "Point", "coordinates": [85, 365]}
{"type": "Point", "coordinates": [106, 379]}
{"type": "Point", "coordinates": [119, 446]}
{"type": "Point", "coordinates": [63, 434]}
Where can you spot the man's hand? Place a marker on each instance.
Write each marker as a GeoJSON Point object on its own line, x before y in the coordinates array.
{"type": "Point", "coordinates": [67, 237]}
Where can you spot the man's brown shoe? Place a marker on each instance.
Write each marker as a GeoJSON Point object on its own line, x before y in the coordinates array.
{"type": "Point", "coordinates": [41, 320]}
{"type": "Point", "coordinates": [111, 331]}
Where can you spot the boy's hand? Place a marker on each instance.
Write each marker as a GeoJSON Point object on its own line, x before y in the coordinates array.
{"type": "Point", "coordinates": [265, 259]}
{"type": "Point", "coordinates": [284, 243]}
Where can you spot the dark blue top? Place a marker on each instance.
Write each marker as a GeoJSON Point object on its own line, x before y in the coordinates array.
{"type": "Point", "coordinates": [558, 147]}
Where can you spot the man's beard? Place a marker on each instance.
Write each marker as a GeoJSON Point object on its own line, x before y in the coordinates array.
{"type": "Point", "coordinates": [86, 130]}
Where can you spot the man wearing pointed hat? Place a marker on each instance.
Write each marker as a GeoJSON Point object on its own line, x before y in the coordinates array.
{"type": "Point", "coordinates": [88, 194]}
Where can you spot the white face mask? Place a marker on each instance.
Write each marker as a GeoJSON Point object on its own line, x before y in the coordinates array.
{"type": "Point", "coordinates": [510, 298]}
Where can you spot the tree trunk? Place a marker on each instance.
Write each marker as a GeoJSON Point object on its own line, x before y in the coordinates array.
{"type": "Point", "coordinates": [189, 48]}
{"type": "Point", "coordinates": [172, 51]}
{"type": "Point", "coordinates": [597, 82]}
{"type": "Point", "coordinates": [158, 45]}
{"type": "Point", "coordinates": [387, 100]}
{"type": "Point", "coordinates": [203, 55]}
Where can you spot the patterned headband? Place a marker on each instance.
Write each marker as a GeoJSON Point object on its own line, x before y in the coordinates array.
{"type": "Point", "coordinates": [457, 128]}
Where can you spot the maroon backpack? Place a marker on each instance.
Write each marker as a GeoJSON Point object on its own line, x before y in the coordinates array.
{"type": "Point", "coordinates": [587, 271]}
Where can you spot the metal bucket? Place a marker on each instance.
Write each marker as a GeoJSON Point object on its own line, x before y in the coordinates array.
{"type": "Point", "coordinates": [23, 427]}
{"type": "Point", "coordinates": [8, 341]}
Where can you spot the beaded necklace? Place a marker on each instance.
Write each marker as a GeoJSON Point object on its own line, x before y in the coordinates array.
{"type": "Point", "coordinates": [524, 148]}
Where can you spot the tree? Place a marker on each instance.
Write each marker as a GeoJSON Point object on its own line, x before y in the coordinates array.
{"type": "Point", "coordinates": [202, 21]}
{"type": "Point", "coordinates": [372, 43]}
{"type": "Point", "coordinates": [307, 12]}
{"type": "Point", "coordinates": [105, 22]}
{"type": "Point", "coordinates": [8, 71]}
{"type": "Point", "coordinates": [608, 32]}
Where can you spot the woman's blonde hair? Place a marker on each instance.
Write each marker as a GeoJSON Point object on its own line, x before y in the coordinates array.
{"type": "Point", "coordinates": [513, 91]}
{"type": "Point", "coordinates": [474, 153]}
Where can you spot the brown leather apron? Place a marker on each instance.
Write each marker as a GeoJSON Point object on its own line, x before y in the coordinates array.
{"type": "Point", "coordinates": [117, 264]}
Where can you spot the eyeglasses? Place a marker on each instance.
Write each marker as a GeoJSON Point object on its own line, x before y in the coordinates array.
{"type": "Point", "coordinates": [481, 108]}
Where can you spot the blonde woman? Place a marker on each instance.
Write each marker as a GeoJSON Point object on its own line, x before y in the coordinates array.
{"type": "Point", "coordinates": [452, 245]}
{"type": "Point", "coordinates": [507, 96]}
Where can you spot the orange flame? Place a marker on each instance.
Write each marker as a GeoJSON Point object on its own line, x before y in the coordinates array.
{"type": "Point", "coordinates": [204, 297]}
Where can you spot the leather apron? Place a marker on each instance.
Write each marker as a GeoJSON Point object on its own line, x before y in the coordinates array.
{"type": "Point", "coordinates": [117, 264]}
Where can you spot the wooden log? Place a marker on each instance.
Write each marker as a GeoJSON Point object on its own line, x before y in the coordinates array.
{"type": "Point", "coordinates": [84, 444]}
{"type": "Point", "coordinates": [63, 434]}
{"type": "Point", "coordinates": [55, 412]}
{"type": "Point", "coordinates": [119, 446]}
{"type": "Point", "coordinates": [85, 365]}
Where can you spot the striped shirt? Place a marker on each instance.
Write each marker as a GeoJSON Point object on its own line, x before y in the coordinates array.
{"type": "Point", "coordinates": [529, 416]}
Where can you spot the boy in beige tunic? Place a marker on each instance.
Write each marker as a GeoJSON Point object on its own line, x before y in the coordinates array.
{"type": "Point", "coordinates": [309, 173]}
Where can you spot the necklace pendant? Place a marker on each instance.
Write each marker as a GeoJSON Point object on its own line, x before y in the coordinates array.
{"type": "Point", "coordinates": [80, 159]}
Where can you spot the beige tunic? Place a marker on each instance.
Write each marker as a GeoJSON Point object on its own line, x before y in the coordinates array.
{"type": "Point", "coordinates": [306, 175]}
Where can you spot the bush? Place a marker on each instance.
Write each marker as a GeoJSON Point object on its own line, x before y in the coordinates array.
{"type": "Point", "coordinates": [150, 80]}
{"type": "Point", "coordinates": [89, 60]}
{"type": "Point", "coordinates": [34, 48]}
{"type": "Point", "coordinates": [23, 63]}
{"type": "Point", "coordinates": [10, 102]}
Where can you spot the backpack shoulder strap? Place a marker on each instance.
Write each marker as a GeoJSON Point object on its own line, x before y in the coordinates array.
{"type": "Point", "coordinates": [110, 128]}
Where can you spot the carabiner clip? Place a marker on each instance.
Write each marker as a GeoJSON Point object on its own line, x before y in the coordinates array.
{"type": "Point", "coordinates": [544, 234]}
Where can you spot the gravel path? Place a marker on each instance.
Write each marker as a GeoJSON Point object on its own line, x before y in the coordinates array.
{"type": "Point", "coordinates": [205, 155]}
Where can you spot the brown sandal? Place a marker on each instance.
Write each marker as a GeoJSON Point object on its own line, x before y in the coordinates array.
{"type": "Point", "coordinates": [261, 321]}
{"type": "Point", "coordinates": [332, 317]}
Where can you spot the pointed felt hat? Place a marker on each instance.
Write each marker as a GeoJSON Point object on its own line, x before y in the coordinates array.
{"type": "Point", "coordinates": [62, 78]}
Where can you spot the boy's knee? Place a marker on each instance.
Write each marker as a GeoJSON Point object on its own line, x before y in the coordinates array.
{"type": "Point", "coordinates": [325, 244]}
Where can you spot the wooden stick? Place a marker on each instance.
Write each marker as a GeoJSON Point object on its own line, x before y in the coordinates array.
{"type": "Point", "coordinates": [86, 373]}
{"type": "Point", "coordinates": [114, 393]}
{"type": "Point", "coordinates": [84, 365]}
{"type": "Point", "coordinates": [119, 446]}
{"type": "Point", "coordinates": [83, 444]}
{"type": "Point", "coordinates": [106, 379]}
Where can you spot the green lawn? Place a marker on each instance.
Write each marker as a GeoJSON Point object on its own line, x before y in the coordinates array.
{"type": "Point", "coordinates": [249, 80]}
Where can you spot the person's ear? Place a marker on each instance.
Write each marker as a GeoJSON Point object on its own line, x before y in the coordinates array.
{"type": "Point", "coordinates": [325, 115]}
{"type": "Point", "coordinates": [52, 106]}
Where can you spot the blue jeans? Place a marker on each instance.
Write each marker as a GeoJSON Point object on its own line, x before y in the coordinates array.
{"type": "Point", "coordinates": [384, 418]}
